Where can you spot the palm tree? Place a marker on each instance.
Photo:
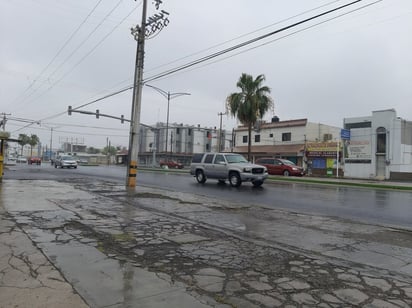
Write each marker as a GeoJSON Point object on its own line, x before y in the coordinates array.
{"type": "Point", "coordinates": [23, 140]}
{"type": "Point", "coordinates": [250, 104]}
{"type": "Point", "coordinates": [32, 142]}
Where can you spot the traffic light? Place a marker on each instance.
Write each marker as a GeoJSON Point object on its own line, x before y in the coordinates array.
{"type": "Point", "coordinates": [69, 110]}
{"type": "Point", "coordinates": [122, 119]}
{"type": "Point", "coordinates": [97, 113]}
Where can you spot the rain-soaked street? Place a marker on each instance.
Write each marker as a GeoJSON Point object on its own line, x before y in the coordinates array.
{"type": "Point", "coordinates": [356, 203]}
{"type": "Point", "coordinates": [154, 247]}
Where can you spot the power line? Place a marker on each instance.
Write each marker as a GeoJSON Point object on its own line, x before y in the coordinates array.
{"type": "Point", "coordinates": [74, 52]}
{"type": "Point", "coordinates": [279, 38]}
{"type": "Point", "coordinates": [227, 50]}
{"type": "Point", "coordinates": [222, 52]}
{"type": "Point", "coordinates": [60, 50]}
{"type": "Point", "coordinates": [207, 58]}
{"type": "Point", "coordinates": [243, 35]}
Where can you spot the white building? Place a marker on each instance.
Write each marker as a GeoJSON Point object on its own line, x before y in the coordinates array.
{"type": "Point", "coordinates": [181, 142]}
{"type": "Point", "coordinates": [380, 146]}
{"type": "Point", "coordinates": [284, 139]}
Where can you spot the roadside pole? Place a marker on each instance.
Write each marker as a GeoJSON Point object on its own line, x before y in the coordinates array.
{"type": "Point", "coordinates": [139, 33]}
{"type": "Point", "coordinates": [337, 158]}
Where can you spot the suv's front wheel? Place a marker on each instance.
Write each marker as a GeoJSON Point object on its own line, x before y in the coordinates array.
{"type": "Point", "coordinates": [200, 176]}
{"type": "Point", "coordinates": [234, 179]}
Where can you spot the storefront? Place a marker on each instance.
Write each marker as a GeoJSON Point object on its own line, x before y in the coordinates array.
{"type": "Point", "coordinates": [323, 159]}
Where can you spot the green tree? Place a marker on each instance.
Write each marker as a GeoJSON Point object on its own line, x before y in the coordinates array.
{"type": "Point", "coordinates": [111, 150]}
{"type": "Point", "coordinates": [34, 140]}
{"type": "Point", "coordinates": [23, 140]}
{"type": "Point", "coordinates": [92, 150]}
{"type": "Point", "coordinates": [250, 104]}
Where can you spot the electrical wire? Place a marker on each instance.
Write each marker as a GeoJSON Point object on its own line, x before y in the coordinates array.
{"type": "Point", "coordinates": [277, 39]}
{"type": "Point", "coordinates": [227, 50]}
{"type": "Point", "coordinates": [207, 58]}
{"type": "Point", "coordinates": [71, 55]}
{"type": "Point", "coordinates": [214, 55]}
{"type": "Point", "coordinates": [58, 52]}
{"type": "Point", "coordinates": [243, 35]}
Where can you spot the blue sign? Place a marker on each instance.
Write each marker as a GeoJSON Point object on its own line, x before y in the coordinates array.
{"type": "Point", "coordinates": [345, 134]}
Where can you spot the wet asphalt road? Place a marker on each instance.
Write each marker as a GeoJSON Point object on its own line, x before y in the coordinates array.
{"type": "Point", "coordinates": [377, 206]}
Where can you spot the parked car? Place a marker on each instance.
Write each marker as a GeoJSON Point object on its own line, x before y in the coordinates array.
{"type": "Point", "coordinates": [226, 166]}
{"type": "Point", "coordinates": [171, 164]}
{"type": "Point", "coordinates": [277, 166]}
{"type": "Point", "coordinates": [34, 160]}
{"type": "Point", "coordinates": [65, 161]}
{"type": "Point", "coordinates": [11, 160]}
{"type": "Point", "coordinates": [21, 159]}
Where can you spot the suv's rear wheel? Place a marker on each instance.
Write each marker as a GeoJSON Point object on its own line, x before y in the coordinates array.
{"type": "Point", "coordinates": [234, 179]}
{"type": "Point", "coordinates": [200, 176]}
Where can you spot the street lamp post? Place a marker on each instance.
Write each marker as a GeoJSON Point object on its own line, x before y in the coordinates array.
{"type": "Point", "coordinates": [168, 96]}
{"type": "Point", "coordinates": [220, 114]}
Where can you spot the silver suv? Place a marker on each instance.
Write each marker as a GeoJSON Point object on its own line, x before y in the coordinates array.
{"type": "Point", "coordinates": [227, 166]}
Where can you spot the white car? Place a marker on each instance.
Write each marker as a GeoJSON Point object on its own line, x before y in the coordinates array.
{"type": "Point", "coordinates": [65, 161]}
{"type": "Point", "coordinates": [11, 160]}
{"type": "Point", "coordinates": [21, 159]}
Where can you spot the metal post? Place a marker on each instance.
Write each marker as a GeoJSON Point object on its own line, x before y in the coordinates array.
{"type": "Point", "coordinates": [169, 96]}
{"type": "Point", "coordinates": [337, 159]}
{"type": "Point", "coordinates": [220, 131]}
{"type": "Point", "coordinates": [136, 105]}
{"type": "Point", "coordinates": [167, 120]}
{"type": "Point", "coordinates": [51, 144]}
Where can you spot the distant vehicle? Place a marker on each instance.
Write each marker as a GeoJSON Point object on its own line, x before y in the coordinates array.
{"type": "Point", "coordinates": [21, 159]}
{"type": "Point", "coordinates": [226, 166]}
{"type": "Point", "coordinates": [277, 166]}
{"type": "Point", "coordinates": [11, 160]}
{"type": "Point", "coordinates": [34, 160]}
{"type": "Point", "coordinates": [65, 161]}
{"type": "Point", "coordinates": [171, 164]}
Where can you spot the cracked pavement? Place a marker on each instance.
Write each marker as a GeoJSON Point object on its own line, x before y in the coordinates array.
{"type": "Point", "coordinates": [156, 248]}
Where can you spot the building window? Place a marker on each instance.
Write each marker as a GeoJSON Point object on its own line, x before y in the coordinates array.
{"type": "Point", "coordinates": [286, 136]}
{"type": "Point", "coordinates": [365, 124]}
{"type": "Point", "coordinates": [327, 137]}
{"type": "Point", "coordinates": [189, 132]}
{"type": "Point", "coordinates": [270, 135]}
{"type": "Point", "coordinates": [177, 131]}
{"type": "Point", "coordinates": [207, 147]}
{"type": "Point", "coordinates": [381, 140]}
{"type": "Point", "coordinates": [257, 138]}
{"type": "Point", "coordinates": [244, 139]}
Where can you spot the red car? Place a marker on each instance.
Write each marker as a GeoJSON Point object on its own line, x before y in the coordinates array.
{"type": "Point", "coordinates": [34, 160]}
{"type": "Point", "coordinates": [171, 164]}
{"type": "Point", "coordinates": [279, 166]}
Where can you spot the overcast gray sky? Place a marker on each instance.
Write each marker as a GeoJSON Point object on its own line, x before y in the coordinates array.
{"type": "Point", "coordinates": [344, 67]}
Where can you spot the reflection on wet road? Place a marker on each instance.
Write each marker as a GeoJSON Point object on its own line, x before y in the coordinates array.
{"type": "Point", "coordinates": [362, 204]}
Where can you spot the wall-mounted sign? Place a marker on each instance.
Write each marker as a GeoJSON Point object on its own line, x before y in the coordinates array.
{"type": "Point", "coordinates": [345, 134]}
{"type": "Point", "coordinates": [358, 149]}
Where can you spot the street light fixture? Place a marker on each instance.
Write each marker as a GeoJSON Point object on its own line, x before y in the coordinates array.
{"type": "Point", "coordinates": [168, 96]}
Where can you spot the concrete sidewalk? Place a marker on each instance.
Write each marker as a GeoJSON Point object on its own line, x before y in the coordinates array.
{"type": "Point", "coordinates": [27, 278]}
{"type": "Point", "coordinates": [156, 248]}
